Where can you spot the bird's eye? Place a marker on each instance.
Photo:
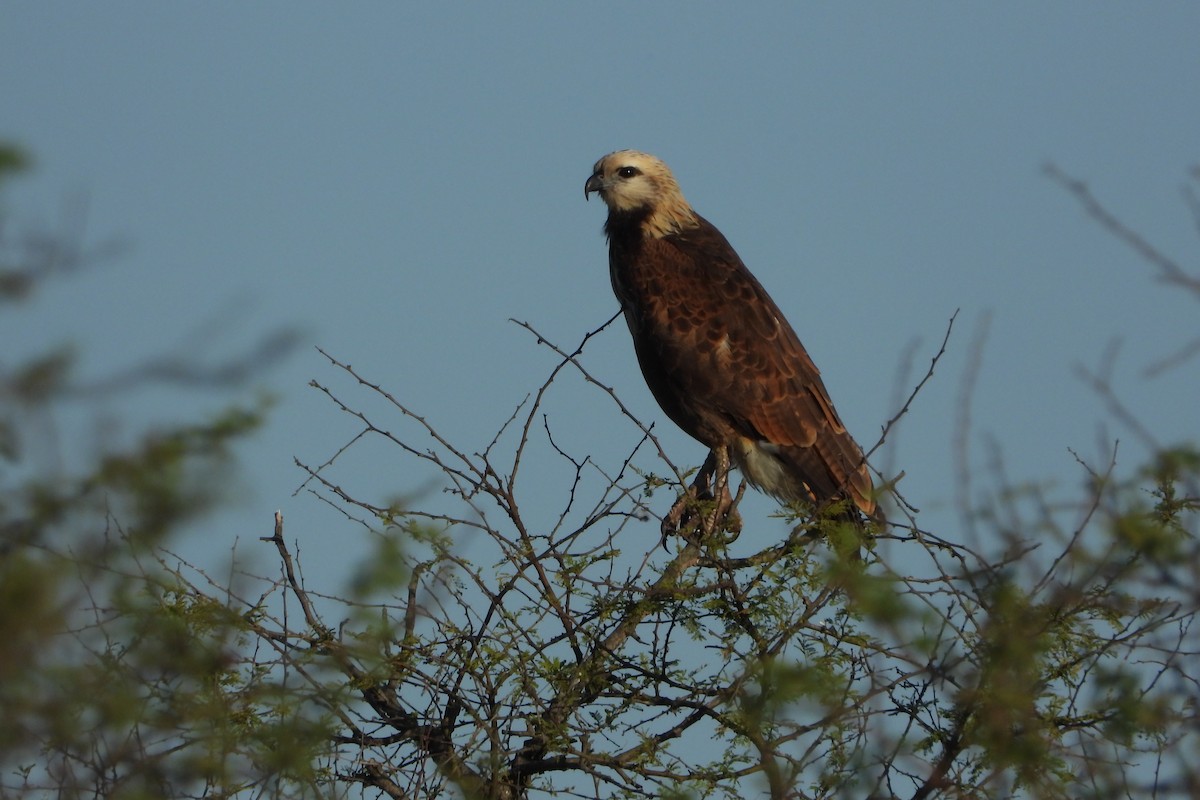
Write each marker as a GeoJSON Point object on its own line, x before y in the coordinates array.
{"type": "Point", "coordinates": [627, 172]}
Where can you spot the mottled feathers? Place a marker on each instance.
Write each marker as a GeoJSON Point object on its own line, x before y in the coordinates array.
{"type": "Point", "coordinates": [716, 352]}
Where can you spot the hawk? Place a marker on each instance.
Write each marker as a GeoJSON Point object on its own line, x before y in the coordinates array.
{"type": "Point", "coordinates": [716, 351]}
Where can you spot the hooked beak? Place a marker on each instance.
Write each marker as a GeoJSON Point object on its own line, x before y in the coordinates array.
{"type": "Point", "coordinates": [594, 184]}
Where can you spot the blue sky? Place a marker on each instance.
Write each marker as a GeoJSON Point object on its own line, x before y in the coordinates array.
{"type": "Point", "coordinates": [396, 181]}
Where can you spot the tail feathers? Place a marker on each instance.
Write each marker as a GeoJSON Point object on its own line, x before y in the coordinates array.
{"type": "Point", "coordinates": [844, 496]}
{"type": "Point", "coordinates": [831, 472]}
{"type": "Point", "coordinates": [831, 475]}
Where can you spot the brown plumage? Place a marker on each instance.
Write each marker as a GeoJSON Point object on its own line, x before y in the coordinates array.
{"type": "Point", "coordinates": [716, 351]}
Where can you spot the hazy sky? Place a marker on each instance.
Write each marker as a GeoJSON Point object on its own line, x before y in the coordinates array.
{"type": "Point", "coordinates": [397, 180]}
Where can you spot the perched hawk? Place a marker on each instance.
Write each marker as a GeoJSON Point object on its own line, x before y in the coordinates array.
{"type": "Point", "coordinates": [714, 348]}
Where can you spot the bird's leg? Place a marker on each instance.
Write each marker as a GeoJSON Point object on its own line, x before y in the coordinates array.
{"type": "Point", "coordinates": [682, 517]}
{"type": "Point", "coordinates": [725, 513]}
{"type": "Point", "coordinates": [710, 484]}
{"type": "Point", "coordinates": [702, 485]}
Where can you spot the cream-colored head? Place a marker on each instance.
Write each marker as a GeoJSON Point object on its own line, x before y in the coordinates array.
{"type": "Point", "coordinates": [630, 182]}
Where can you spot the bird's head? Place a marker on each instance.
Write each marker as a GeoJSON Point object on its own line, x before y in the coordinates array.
{"type": "Point", "coordinates": [639, 185]}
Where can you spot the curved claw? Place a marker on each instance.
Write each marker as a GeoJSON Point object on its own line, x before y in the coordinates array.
{"type": "Point", "coordinates": [690, 517]}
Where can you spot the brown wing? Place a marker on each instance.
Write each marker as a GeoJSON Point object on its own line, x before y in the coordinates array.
{"type": "Point", "coordinates": [723, 361]}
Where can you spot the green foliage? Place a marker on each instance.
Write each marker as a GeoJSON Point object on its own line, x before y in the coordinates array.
{"type": "Point", "coordinates": [479, 652]}
{"type": "Point", "coordinates": [571, 657]}
{"type": "Point", "coordinates": [118, 678]}
{"type": "Point", "coordinates": [12, 160]}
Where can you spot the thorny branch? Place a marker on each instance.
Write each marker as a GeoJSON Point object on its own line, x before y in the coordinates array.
{"type": "Point", "coordinates": [568, 649]}
{"type": "Point", "coordinates": [435, 739]}
{"type": "Point", "coordinates": [1169, 269]}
